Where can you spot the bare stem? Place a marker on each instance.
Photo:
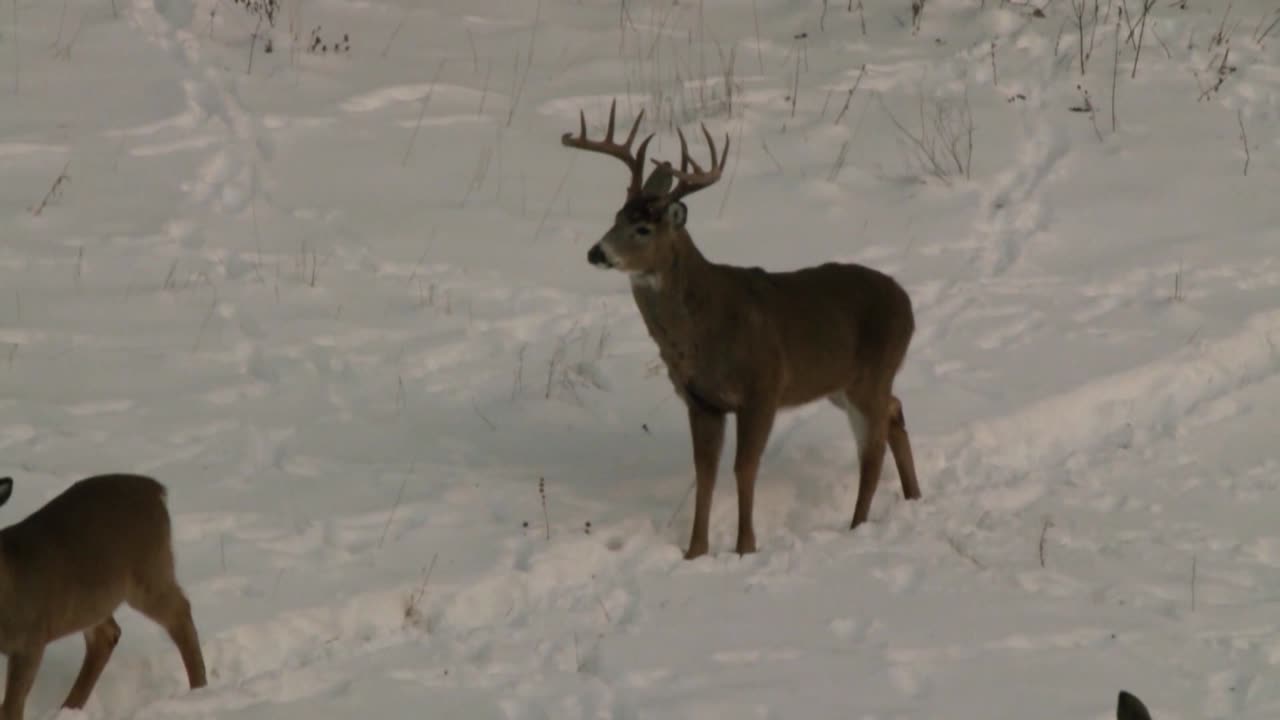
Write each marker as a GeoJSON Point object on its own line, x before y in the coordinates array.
{"type": "Point", "coordinates": [422, 111]}
{"type": "Point", "coordinates": [1044, 531]}
{"type": "Point", "coordinates": [848, 99]}
{"type": "Point", "coordinates": [1244, 140]}
{"type": "Point", "coordinates": [1115, 71]}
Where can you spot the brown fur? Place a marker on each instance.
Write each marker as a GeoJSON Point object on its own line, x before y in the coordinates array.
{"type": "Point", "coordinates": [68, 566]}
{"type": "Point", "coordinates": [750, 342]}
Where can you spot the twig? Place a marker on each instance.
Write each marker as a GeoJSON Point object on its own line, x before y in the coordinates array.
{"type": "Point", "coordinates": [1048, 523]}
{"type": "Point", "coordinates": [1115, 71]}
{"type": "Point", "coordinates": [733, 174]}
{"type": "Point", "coordinates": [517, 381]}
{"type": "Point", "coordinates": [17, 53]}
{"type": "Point", "coordinates": [62, 19]}
{"type": "Point", "coordinates": [1244, 139]}
{"type": "Point", "coordinates": [422, 110]}
{"type": "Point", "coordinates": [475, 54]}
{"type": "Point", "coordinates": [542, 221]}
{"type": "Point", "coordinates": [521, 79]}
{"type": "Point", "coordinates": [387, 48]}
{"type": "Point", "coordinates": [769, 152]}
{"type": "Point", "coordinates": [604, 609]}
{"type": "Point", "coordinates": [1258, 38]}
{"type": "Point", "coordinates": [755, 16]}
{"type": "Point", "coordinates": [486, 420]}
{"type": "Point", "coordinates": [253, 43]}
{"type": "Point", "coordinates": [852, 90]}
{"type": "Point", "coordinates": [1193, 583]}
{"type": "Point", "coordinates": [546, 519]}
{"type": "Point", "coordinates": [213, 305]}
{"type": "Point", "coordinates": [1142, 31]}
{"type": "Point", "coordinates": [680, 507]}
{"type": "Point", "coordinates": [416, 596]}
{"type": "Point", "coordinates": [795, 87]}
{"type": "Point", "coordinates": [1220, 38]}
{"type": "Point", "coordinates": [964, 553]}
{"type": "Point", "coordinates": [968, 114]}
{"type": "Point", "coordinates": [54, 189]}
{"type": "Point", "coordinates": [1167, 53]}
{"type": "Point", "coordinates": [1079, 6]}
{"type": "Point", "coordinates": [391, 515]}
{"type": "Point", "coordinates": [838, 165]}
{"type": "Point", "coordinates": [995, 75]}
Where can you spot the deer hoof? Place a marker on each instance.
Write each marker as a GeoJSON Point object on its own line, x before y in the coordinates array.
{"type": "Point", "coordinates": [695, 551]}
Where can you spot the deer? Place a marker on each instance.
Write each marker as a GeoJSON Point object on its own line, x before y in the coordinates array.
{"type": "Point", "coordinates": [67, 567]}
{"type": "Point", "coordinates": [1129, 707]}
{"type": "Point", "coordinates": [750, 342]}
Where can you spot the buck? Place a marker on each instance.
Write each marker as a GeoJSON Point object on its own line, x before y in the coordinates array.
{"type": "Point", "coordinates": [67, 567]}
{"type": "Point", "coordinates": [749, 342]}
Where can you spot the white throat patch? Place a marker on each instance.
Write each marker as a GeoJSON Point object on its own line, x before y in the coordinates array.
{"type": "Point", "coordinates": [648, 281]}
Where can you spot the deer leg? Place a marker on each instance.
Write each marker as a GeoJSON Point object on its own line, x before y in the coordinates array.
{"type": "Point", "coordinates": [870, 453]}
{"type": "Point", "coordinates": [21, 675]}
{"type": "Point", "coordinates": [754, 425]}
{"type": "Point", "coordinates": [99, 641]}
{"type": "Point", "coordinates": [169, 608]}
{"type": "Point", "coordinates": [900, 444]}
{"type": "Point", "coordinates": [858, 424]}
{"type": "Point", "coordinates": [707, 429]}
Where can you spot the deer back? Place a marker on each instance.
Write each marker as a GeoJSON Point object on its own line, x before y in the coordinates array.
{"type": "Point", "coordinates": [80, 555]}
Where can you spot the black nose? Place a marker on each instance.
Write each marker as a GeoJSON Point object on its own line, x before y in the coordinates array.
{"type": "Point", "coordinates": [596, 257]}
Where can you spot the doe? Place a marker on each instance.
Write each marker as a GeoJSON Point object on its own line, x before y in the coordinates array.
{"type": "Point", "coordinates": [67, 567]}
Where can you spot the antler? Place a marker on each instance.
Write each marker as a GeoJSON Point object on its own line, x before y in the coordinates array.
{"type": "Point", "coordinates": [691, 182]}
{"type": "Point", "coordinates": [622, 151]}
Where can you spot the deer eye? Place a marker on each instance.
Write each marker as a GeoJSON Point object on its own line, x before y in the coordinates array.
{"type": "Point", "coordinates": [643, 230]}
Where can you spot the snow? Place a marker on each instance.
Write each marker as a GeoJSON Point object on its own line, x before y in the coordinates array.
{"type": "Point", "coordinates": [339, 304]}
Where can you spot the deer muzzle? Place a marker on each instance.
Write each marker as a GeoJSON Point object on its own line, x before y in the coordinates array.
{"type": "Point", "coordinates": [596, 256]}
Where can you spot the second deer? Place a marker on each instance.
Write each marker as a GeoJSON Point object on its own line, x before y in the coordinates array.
{"type": "Point", "coordinates": [749, 342]}
{"type": "Point", "coordinates": [67, 567]}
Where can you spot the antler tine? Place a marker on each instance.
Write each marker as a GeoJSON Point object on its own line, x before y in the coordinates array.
{"type": "Point", "coordinates": [637, 170]}
{"type": "Point", "coordinates": [635, 127]}
{"type": "Point", "coordinates": [613, 110]}
{"type": "Point", "coordinates": [712, 144]}
{"type": "Point", "coordinates": [607, 146]}
{"type": "Point", "coordinates": [685, 158]}
{"type": "Point", "coordinates": [690, 182]}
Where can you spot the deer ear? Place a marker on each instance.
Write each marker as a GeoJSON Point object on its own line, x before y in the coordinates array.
{"type": "Point", "coordinates": [659, 182]}
{"type": "Point", "coordinates": [677, 213]}
{"type": "Point", "coordinates": [6, 489]}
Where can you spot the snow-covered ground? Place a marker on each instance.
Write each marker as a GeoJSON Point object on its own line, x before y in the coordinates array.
{"type": "Point", "coordinates": [422, 459]}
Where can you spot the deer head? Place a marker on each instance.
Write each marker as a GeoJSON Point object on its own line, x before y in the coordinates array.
{"type": "Point", "coordinates": [652, 219]}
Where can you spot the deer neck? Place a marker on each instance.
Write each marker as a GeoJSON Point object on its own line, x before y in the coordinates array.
{"type": "Point", "coordinates": [679, 275]}
{"type": "Point", "coordinates": [674, 302]}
